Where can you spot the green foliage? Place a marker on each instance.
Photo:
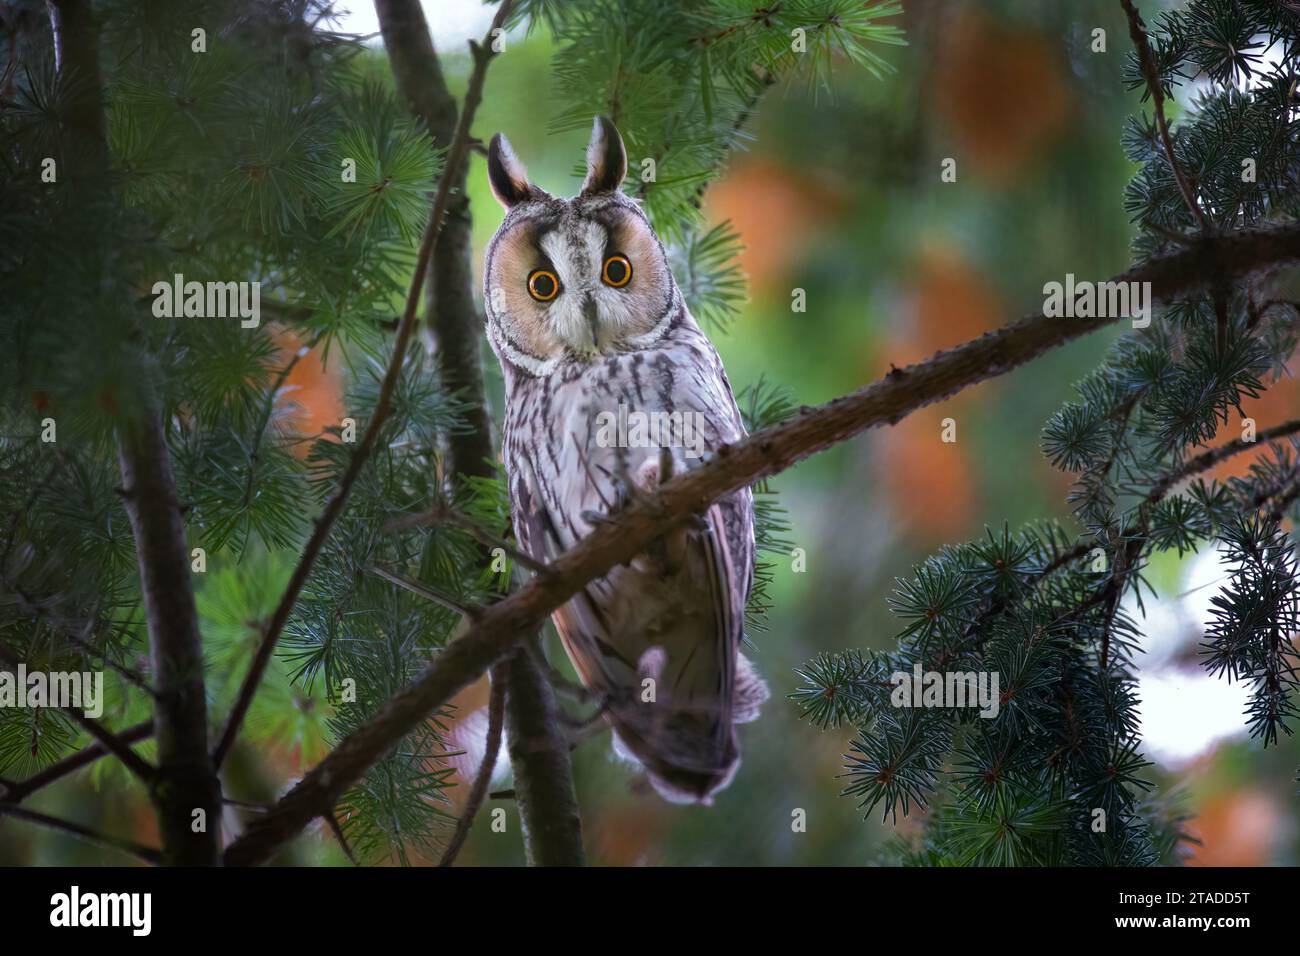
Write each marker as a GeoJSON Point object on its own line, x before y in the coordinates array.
{"type": "Point", "coordinates": [1036, 607]}
{"type": "Point", "coordinates": [236, 165]}
{"type": "Point", "coordinates": [763, 405]}
{"type": "Point", "coordinates": [681, 85]}
{"type": "Point", "coordinates": [225, 166]}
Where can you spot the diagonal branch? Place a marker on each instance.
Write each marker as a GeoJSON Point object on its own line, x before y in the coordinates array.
{"type": "Point", "coordinates": [444, 513]}
{"type": "Point", "coordinates": [334, 507]}
{"type": "Point", "coordinates": [978, 630]}
{"type": "Point", "coordinates": [21, 790]}
{"type": "Point", "coordinates": [428, 592]}
{"type": "Point", "coordinates": [503, 625]}
{"type": "Point", "coordinates": [106, 738]}
{"type": "Point", "coordinates": [496, 721]}
{"type": "Point", "coordinates": [1208, 459]}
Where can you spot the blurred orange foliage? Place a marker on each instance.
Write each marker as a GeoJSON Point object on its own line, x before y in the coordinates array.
{"type": "Point", "coordinates": [1001, 91]}
{"type": "Point", "coordinates": [1236, 828]}
{"type": "Point", "coordinates": [314, 389]}
{"type": "Point", "coordinates": [1279, 404]}
{"type": "Point", "coordinates": [931, 482]}
{"type": "Point", "coordinates": [775, 211]}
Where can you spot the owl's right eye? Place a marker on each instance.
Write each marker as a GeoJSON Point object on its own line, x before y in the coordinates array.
{"type": "Point", "coordinates": [543, 285]}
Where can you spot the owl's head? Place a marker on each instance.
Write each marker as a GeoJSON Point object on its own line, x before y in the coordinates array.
{"type": "Point", "coordinates": [573, 278]}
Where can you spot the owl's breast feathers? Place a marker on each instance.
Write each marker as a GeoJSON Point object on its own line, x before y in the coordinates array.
{"type": "Point", "coordinates": [657, 638]}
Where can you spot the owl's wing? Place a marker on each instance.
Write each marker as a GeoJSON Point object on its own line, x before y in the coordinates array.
{"type": "Point", "coordinates": [657, 638]}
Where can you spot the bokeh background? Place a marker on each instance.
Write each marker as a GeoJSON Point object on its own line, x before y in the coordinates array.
{"type": "Point", "coordinates": [840, 195]}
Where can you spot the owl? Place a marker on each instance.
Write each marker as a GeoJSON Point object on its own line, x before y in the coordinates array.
{"type": "Point", "coordinates": [611, 388]}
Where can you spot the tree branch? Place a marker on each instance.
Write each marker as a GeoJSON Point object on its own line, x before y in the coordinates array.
{"type": "Point", "coordinates": [184, 780]}
{"type": "Point", "coordinates": [539, 746]}
{"type": "Point", "coordinates": [1147, 62]}
{"type": "Point", "coordinates": [148, 854]}
{"type": "Point", "coordinates": [334, 507]}
{"type": "Point", "coordinates": [71, 764]}
{"type": "Point", "coordinates": [106, 738]}
{"type": "Point", "coordinates": [1208, 459]}
{"type": "Point", "coordinates": [496, 720]}
{"type": "Point", "coordinates": [442, 513]}
{"type": "Point", "coordinates": [977, 632]}
{"type": "Point", "coordinates": [428, 592]}
{"type": "Point", "coordinates": [452, 315]}
{"type": "Point", "coordinates": [761, 455]}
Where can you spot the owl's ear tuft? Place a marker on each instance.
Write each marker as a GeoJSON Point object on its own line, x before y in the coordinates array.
{"type": "Point", "coordinates": [606, 158]}
{"type": "Point", "coordinates": [506, 174]}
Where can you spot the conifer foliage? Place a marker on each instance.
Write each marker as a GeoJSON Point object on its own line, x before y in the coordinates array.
{"type": "Point", "coordinates": [150, 145]}
{"type": "Point", "coordinates": [1056, 610]}
{"type": "Point", "coordinates": [254, 583]}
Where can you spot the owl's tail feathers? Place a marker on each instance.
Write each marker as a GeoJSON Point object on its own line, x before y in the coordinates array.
{"type": "Point", "coordinates": [677, 775]}
{"type": "Point", "coordinates": [690, 755]}
{"type": "Point", "coordinates": [751, 692]}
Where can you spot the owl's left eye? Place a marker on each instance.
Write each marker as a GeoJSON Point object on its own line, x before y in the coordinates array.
{"type": "Point", "coordinates": [543, 285]}
{"type": "Point", "coordinates": [617, 271]}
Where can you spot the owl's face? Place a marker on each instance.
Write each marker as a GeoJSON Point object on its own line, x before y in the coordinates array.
{"type": "Point", "coordinates": [576, 278]}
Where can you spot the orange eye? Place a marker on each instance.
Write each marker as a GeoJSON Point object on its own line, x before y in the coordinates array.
{"type": "Point", "coordinates": [617, 271]}
{"type": "Point", "coordinates": [543, 285]}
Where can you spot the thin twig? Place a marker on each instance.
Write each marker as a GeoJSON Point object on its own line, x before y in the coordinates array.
{"type": "Point", "coordinates": [1147, 62]}
{"type": "Point", "coordinates": [126, 673]}
{"type": "Point", "coordinates": [1284, 501]}
{"type": "Point", "coordinates": [496, 722]}
{"type": "Point", "coordinates": [332, 818]}
{"type": "Point", "coordinates": [265, 420]}
{"type": "Point", "coordinates": [443, 513]}
{"type": "Point", "coordinates": [334, 507]}
{"type": "Point", "coordinates": [106, 738]}
{"type": "Point", "coordinates": [245, 805]}
{"type": "Point", "coordinates": [1126, 559]}
{"type": "Point", "coordinates": [1208, 459]}
{"type": "Point", "coordinates": [114, 745]}
{"type": "Point", "coordinates": [441, 598]}
{"type": "Point", "coordinates": [21, 790]}
{"type": "Point", "coordinates": [148, 854]}
{"type": "Point", "coordinates": [33, 608]}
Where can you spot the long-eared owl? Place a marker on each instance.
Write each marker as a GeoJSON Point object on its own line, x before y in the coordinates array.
{"type": "Point", "coordinates": [611, 388]}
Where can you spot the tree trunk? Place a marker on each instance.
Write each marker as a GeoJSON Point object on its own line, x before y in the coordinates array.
{"type": "Point", "coordinates": [539, 752]}
{"type": "Point", "coordinates": [185, 782]}
{"type": "Point", "coordinates": [185, 791]}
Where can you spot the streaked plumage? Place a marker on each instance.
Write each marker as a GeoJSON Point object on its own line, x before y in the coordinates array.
{"type": "Point", "coordinates": [675, 614]}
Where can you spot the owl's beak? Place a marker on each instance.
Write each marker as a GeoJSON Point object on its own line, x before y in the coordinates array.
{"type": "Point", "coordinates": [589, 313]}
